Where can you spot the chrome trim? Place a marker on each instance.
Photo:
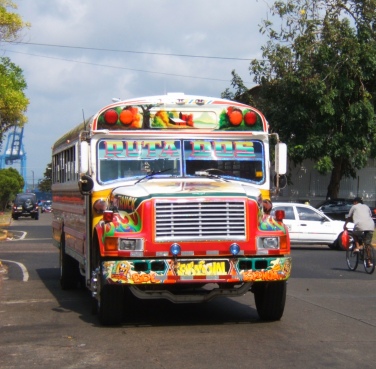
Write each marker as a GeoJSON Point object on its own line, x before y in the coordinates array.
{"type": "Point", "coordinates": [199, 221]}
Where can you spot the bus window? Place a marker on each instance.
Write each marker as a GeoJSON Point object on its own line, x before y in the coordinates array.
{"type": "Point", "coordinates": [239, 159]}
{"type": "Point", "coordinates": [127, 169]}
{"type": "Point", "coordinates": [119, 160]}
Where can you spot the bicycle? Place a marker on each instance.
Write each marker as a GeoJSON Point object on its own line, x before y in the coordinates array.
{"type": "Point", "coordinates": [366, 255]}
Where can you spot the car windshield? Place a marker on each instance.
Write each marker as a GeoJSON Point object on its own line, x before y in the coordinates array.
{"type": "Point", "coordinates": [22, 198]}
{"type": "Point", "coordinates": [309, 214]}
{"type": "Point", "coordinates": [122, 159]}
{"type": "Point", "coordinates": [289, 211]}
{"type": "Point", "coordinates": [337, 202]}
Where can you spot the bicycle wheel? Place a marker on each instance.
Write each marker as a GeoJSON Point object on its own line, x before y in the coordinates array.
{"type": "Point", "coordinates": [369, 259]}
{"type": "Point", "coordinates": [352, 258]}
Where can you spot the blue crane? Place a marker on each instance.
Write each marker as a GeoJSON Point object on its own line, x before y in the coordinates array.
{"type": "Point", "coordinates": [14, 151]}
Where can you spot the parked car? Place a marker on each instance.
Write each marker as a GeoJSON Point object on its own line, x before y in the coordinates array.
{"type": "Point", "coordinates": [46, 207]}
{"type": "Point", "coordinates": [307, 225]}
{"type": "Point", "coordinates": [336, 208]}
{"type": "Point", "coordinates": [339, 208]}
{"type": "Point", "coordinates": [25, 205]}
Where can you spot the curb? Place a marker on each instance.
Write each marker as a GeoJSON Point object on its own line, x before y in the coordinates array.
{"type": "Point", "coordinates": [3, 237]}
{"type": "Point", "coordinates": [4, 232]}
{"type": "Point", "coordinates": [3, 270]}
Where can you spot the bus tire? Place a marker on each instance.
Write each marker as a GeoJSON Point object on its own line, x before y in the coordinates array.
{"type": "Point", "coordinates": [111, 305]}
{"type": "Point", "coordinates": [69, 272]}
{"type": "Point", "coordinates": [270, 299]}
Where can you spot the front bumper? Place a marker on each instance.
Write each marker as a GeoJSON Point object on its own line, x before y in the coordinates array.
{"type": "Point", "coordinates": [24, 213]}
{"type": "Point", "coordinates": [198, 270]}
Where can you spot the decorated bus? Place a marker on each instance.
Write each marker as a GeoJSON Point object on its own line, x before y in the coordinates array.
{"type": "Point", "coordinates": [163, 196]}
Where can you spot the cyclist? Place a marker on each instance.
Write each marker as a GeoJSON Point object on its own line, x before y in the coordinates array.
{"type": "Point", "coordinates": [361, 215]}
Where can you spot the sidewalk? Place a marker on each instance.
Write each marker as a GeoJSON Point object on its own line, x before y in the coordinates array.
{"type": "Point", "coordinates": [5, 220]}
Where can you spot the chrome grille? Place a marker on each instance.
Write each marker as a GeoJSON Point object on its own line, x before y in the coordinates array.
{"type": "Point", "coordinates": [219, 220]}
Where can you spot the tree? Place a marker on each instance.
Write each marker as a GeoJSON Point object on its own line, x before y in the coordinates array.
{"type": "Point", "coordinates": [242, 93]}
{"type": "Point", "coordinates": [318, 83]}
{"type": "Point", "coordinates": [46, 183]}
{"type": "Point", "coordinates": [13, 102]}
{"type": "Point", "coordinates": [11, 183]}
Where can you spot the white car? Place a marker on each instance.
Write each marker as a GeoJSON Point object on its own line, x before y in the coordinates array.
{"type": "Point", "coordinates": [307, 225]}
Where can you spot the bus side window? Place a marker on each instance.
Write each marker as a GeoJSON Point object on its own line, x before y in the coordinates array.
{"type": "Point", "coordinates": [108, 170]}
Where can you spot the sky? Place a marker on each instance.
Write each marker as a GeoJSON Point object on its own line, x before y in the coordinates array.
{"type": "Point", "coordinates": [79, 54]}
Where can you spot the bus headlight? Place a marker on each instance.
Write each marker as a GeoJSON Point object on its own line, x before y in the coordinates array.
{"type": "Point", "coordinates": [130, 244]}
{"type": "Point", "coordinates": [100, 206]}
{"type": "Point", "coordinates": [270, 243]}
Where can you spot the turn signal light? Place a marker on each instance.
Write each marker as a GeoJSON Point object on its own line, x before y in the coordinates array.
{"type": "Point", "coordinates": [111, 243]}
{"type": "Point", "coordinates": [108, 216]}
{"type": "Point", "coordinates": [279, 215]}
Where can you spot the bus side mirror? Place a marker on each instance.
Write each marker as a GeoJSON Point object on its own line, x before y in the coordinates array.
{"type": "Point", "coordinates": [84, 157]}
{"type": "Point", "coordinates": [280, 181]}
{"type": "Point", "coordinates": [86, 184]}
{"type": "Point", "coordinates": [281, 158]}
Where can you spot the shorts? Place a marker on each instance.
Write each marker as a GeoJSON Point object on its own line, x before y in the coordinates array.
{"type": "Point", "coordinates": [366, 236]}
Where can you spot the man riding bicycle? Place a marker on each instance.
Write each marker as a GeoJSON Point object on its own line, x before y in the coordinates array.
{"type": "Point", "coordinates": [364, 226]}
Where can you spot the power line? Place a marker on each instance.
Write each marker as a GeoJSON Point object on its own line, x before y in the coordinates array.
{"type": "Point", "coordinates": [129, 51]}
{"type": "Point", "coordinates": [117, 67]}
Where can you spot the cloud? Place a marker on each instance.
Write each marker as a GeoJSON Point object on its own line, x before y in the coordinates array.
{"type": "Point", "coordinates": [64, 82]}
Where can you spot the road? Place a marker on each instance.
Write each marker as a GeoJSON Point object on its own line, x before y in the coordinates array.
{"type": "Point", "coordinates": [329, 319]}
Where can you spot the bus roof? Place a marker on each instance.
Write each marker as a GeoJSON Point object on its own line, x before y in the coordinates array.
{"type": "Point", "coordinates": [174, 111]}
{"type": "Point", "coordinates": [179, 111]}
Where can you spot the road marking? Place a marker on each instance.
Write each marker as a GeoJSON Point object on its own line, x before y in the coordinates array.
{"type": "Point", "coordinates": [23, 235]}
{"type": "Point", "coordinates": [42, 251]}
{"type": "Point", "coordinates": [30, 239]}
{"type": "Point", "coordinates": [17, 235]}
{"type": "Point", "coordinates": [31, 301]}
{"type": "Point", "coordinates": [25, 273]}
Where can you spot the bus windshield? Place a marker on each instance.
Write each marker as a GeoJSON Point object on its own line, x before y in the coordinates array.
{"type": "Point", "coordinates": [132, 159]}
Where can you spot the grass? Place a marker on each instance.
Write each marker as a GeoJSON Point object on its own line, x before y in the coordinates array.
{"type": "Point", "coordinates": [5, 217]}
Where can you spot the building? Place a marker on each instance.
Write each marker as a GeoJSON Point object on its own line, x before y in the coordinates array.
{"type": "Point", "coordinates": [307, 184]}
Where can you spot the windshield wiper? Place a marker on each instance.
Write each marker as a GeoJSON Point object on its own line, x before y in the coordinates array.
{"type": "Point", "coordinates": [152, 174]}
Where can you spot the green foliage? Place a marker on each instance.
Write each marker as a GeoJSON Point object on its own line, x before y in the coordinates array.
{"type": "Point", "coordinates": [13, 102]}
{"type": "Point", "coordinates": [11, 183]}
{"type": "Point", "coordinates": [10, 23]}
{"type": "Point", "coordinates": [46, 183]}
{"type": "Point", "coordinates": [241, 94]}
{"type": "Point", "coordinates": [324, 165]}
{"type": "Point", "coordinates": [318, 82]}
